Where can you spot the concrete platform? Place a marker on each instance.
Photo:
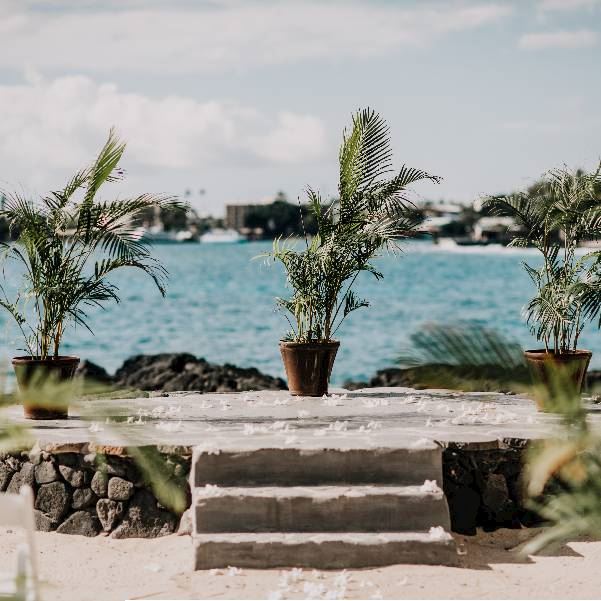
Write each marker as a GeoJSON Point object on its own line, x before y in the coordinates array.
{"type": "Point", "coordinates": [349, 480]}
{"type": "Point", "coordinates": [390, 418]}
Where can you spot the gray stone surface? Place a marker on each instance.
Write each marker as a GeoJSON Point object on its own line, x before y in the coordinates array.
{"type": "Point", "coordinates": [119, 489]}
{"type": "Point", "coordinates": [389, 417]}
{"type": "Point", "coordinates": [321, 551]}
{"type": "Point", "coordinates": [84, 523]}
{"type": "Point", "coordinates": [320, 509]}
{"type": "Point", "coordinates": [75, 477]}
{"type": "Point", "coordinates": [54, 500]}
{"type": "Point", "coordinates": [83, 497]}
{"type": "Point", "coordinates": [24, 477]}
{"type": "Point", "coordinates": [109, 513]}
{"type": "Point", "coordinates": [42, 522]}
{"type": "Point", "coordinates": [6, 473]}
{"type": "Point", "coordinates": [45, 472]}
{"type": "Point", "coordinates": [100, 484]}
{"type": "Point", "coordinates": [273, 466]}
{"type": "Point", "coordinates": [185, 523]}
{"type": "Point", "coordinates": [144, 519]}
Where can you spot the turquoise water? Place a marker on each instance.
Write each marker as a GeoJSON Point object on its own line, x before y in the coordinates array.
{"type": "Point", "coordinates": [220, 305]}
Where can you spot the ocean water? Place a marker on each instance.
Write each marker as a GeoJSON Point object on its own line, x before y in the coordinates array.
{"type": "Point", "coordinates": [220, 305]}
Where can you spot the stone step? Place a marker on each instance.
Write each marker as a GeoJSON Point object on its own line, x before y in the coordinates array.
{"type": "Point", "coordinates": [322, 550]}
{"type": "Point", "coordinates": [298, 466]}
{"type": "Point", "coordinates": [320, 509]}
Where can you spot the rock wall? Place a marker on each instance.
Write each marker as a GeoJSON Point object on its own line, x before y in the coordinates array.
{"type": "Point", "coordinates": [484, 488]}
{"type": "Point", "coordinates": [90, 494]}
{"type": "Point", "coordinates": [172, 372]}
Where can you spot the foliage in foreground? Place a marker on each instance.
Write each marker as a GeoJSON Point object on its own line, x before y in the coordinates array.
{"type": "Point", "coordinates": [372, 213]}
{"type": "Point", "coordinates": [570, 461]}
{"type": "Point", "coordinates": [557, 214]}
{"type": "Point", "coordinates": [68, 246]}
{"type": "Point", "coordinates": [463, 356]}
{"type": "Point", "coordinates": [55, 394]}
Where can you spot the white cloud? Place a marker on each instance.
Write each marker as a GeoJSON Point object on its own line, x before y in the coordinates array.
{"type": "Point", "coordinates": [199, 37]}
{"type": "Point", "coordinates": [566, 5]}
{"type": "Point", "coordinates": [57, 124]}
{"type": "Point", "coordinates": [582, 38]}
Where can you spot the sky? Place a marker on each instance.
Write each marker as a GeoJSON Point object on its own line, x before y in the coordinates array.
{"type": "Point", "coordinates": [242, 98]}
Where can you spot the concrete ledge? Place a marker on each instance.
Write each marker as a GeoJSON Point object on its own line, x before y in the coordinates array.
{"type": "Point", "coordinates": [323, 551]}
{"type": "Point", "coordinates": [298, 466]}
{"type": "Point", "coordinates": [320, 509]}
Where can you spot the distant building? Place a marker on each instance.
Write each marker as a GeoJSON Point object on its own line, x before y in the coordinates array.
{"type": "Point", "coordinates": [235, 215]}
{"type": "Point", "coordinates": [500, 230]}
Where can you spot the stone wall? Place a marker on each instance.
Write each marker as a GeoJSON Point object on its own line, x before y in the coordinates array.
{"type": "Point", "coordinates": [484, 487]}
{"type": "Point", "coordinates": [89, 494]}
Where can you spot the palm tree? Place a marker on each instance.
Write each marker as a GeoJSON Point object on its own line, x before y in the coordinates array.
{"type": "Point", "coordinates": [69, 244]}
{"type": "Point", "coordinates": [557, 214]}
{"type": "Point", "coordinates": [373, 212]}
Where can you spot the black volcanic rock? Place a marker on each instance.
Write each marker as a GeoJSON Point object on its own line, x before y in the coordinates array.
{"type": "Point", "coordinates": [181, 371]}
{"type": "Point", "coordinates": [480, 378]}
{"type": "Point", "coordinates": [95, 373]}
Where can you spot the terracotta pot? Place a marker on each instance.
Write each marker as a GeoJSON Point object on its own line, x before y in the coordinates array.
{"type": "Point", "coordinates": [34, 372]}
{"type": "Point", "coordinates": [308, 366]}
{"type": "Point", "coordinates": [557, 374]}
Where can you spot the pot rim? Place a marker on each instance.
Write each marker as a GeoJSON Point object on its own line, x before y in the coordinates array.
{"type": "Point", "coordinates": [309, 345]}
{"type": "Point", "coordinates": [28, 359]}
{"type": "Point", "coordinates": [542, 353]}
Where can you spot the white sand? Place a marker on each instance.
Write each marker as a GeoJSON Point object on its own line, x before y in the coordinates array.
{"type": "Point", "coordinates": [75, 568]}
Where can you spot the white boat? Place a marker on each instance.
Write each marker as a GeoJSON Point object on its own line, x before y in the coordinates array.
{"type": "Point", "coordinates": [157, 235]}
{"type": "Point", "coordinates": [218, 235]}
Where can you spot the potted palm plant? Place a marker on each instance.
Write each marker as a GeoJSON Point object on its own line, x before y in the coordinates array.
{"type": "Point", "coordinates": [373, 212]}
{"type": "Point", "coordinates": [556, 215]}
{"type": "Point", "coordinates": [68, 245]}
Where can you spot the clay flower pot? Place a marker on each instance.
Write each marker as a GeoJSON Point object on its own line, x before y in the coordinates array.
{"type": "Point", "coordinates": [32, 374]}
{"type": "Point", "coordinates": [555, 374]}
{"type": "Point", "coordinates": [308, 366]}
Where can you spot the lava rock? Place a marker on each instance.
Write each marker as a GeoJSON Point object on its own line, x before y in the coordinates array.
{"type": "Point", "coordinates": [144, 519]}
{"type": "Point", "coordinates": [84, 523]}
{"type": "Point", "coordinates": [83, 497]}
{"type": "Point", "coordinates": [115, 466]}
{"type": "Point", "coordinates": [185, 523]}
{"type": "Point", "coordinates": [120, 489]}
{"type": "Point", "coordinates": [76, 478]}
{"type": "Point", "coordinates": [70, 459]}
{"type": "Point", "coordinates": [93, 373]}
{"type": "Point", "coordinates": [464, 504]}
{"type": "Point", "coordinates": [6, 473]}
{"type": "Point", "coordinates": [42, 522]}
{"type": "Point", "coordinates": [109, 513]}
{"type": "Point", "coordinates": [497, 504]}
{"type": "Point", "coordinates": [45, 472]}
{"type": "Point", "coordinates": [54, 500]}
{"type": "Point", "coordinates": [100, 484]}
{"type": "Point", "coordinates": [181, 371]}
{"type": "Point", "coordinates": [484, 378]}
{"type": "Point", "coordinates": [12, 462]}
{"type": "Point", "coordinates": [24, 477]}
{"type": "Point", "coordinates": [35, 455]}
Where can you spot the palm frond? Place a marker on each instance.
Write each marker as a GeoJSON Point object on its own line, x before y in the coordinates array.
{"type": "Point", "coordinates": [70, 249]}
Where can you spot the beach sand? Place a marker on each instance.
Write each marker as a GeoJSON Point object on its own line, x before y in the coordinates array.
{"type": "Point", "coordinates": [76, 568]}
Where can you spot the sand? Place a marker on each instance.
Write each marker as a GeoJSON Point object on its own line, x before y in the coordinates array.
{"type": "Point", "coordinates": [76, 568]}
